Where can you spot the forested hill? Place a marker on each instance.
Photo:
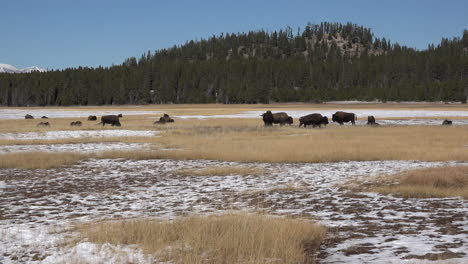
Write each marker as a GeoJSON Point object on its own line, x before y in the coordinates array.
{"type": "Point", "coordinates": [330, 61]}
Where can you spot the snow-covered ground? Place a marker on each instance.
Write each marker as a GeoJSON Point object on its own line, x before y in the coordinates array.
{"type": "Point", "coordinates": [364, 227]}
{"type": "Point", "coordinates": [82, 147]}
{"type": "Point", "coordinates": [60, 134]}
{"type": "Point", "coordinates": [361, 113]}
{"type": "Point", "coordinates": [59, 113]}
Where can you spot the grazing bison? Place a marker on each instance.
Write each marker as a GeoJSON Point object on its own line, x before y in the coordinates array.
{"type": "Point", "coordinates": [76, 123]}
{"type": "Point", "coordinates": [164, 119]}
{"type": "Point", "coordinates": [110, 119]}
{"type": "Point", "coordinates": [277, 118]}
{"type": "Point", "coordinates": [447, 122]}
{"type": "Point", "coordinates": [44, 117]}
{"type": "Point", "coordinates": [341, 117]}
{"type": "Point", "coordinates": [92, 118]}
{"type": "Point", "coordinates": [119, 115]}
{"type": "Point", "coordinates": [314, 120]}
{"type": "Point", "coordinates": [371, 121]}
{"type": "Point", "coordinates": [43, 124]}
{"type": "Point", "coordinates": [28, 116]}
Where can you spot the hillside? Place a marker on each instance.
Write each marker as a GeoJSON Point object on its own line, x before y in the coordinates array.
{"type": "Point", "coordinates": [329, 61]}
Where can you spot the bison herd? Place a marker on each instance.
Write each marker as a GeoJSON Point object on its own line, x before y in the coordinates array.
{"type": "Point", "coordinates": [317, 120]}
{"type": "Point", "coordinates": [314, 120]}
{"type": "Point", "coordinates": [113, 120]}
{"type": "Point", "coordinates": [269, 118]}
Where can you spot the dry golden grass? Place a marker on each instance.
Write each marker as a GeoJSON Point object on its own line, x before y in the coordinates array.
{"type": "Point", "coordinates": [424, 183]}
{"type": "Point", "coordinates": [247, 141]}
{"type": "Point", "coordinates": [291, 144]}
{"type": "Point", "coordinates": [38, 160]}
{"type": "Point", "coordinates": [221, 171]}
{"type": "Point", "coordinates": [230, 238]}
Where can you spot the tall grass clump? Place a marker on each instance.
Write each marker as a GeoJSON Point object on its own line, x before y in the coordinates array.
{"type": "Point", "coordinates": [39, 160]}
{"type": "Point", "coordinates": [230, 238]}
{"type": "Point", "coordinates": [426, 183]}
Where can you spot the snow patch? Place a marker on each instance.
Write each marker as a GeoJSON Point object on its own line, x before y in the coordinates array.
{"type": "Point", "coordinates": [60, 134]}
{"type": "Point", "coordinates": [82, 148]}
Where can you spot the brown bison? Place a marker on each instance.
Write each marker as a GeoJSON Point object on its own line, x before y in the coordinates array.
{"type": "Point", "coordinates": [76, 123]}
{"type": "Point", "coordinates": [43, 124]}
{"type": "Point", "coordinates": [277, 118]}
{"type": "Point", "coordinates": [371, 121]}
{"type": "Point", "coordinates": [28, 116]}
{"type": "Point", "coordinates": [314, 120]}
{"type": "Point", "coordinates": [92, 118]}
{"type": "Point", "coordinates": [44, 117]}
{"type": "Point", "coordinates": [447, 122]}
{"type": "Point", "coordinates": [343, 117]}
{"type": "Point", "coordinates": [164, 119]}
{"type": "Point", "coordinates": [110, 119]}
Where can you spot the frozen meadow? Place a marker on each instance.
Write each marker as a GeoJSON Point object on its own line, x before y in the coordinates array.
{"type": "Point", "coordinates": [35, 204]}
{"type": "Point", "coordinates": [39, 207]}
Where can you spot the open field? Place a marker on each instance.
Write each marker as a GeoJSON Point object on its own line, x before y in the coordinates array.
{"type": "Point", "coordinates": [192, 175]}
{"type": "Point", "coordinates": [237, 140]}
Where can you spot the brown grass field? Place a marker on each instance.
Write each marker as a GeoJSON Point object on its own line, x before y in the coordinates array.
{"type": "Point", "coordinates": [424, 183]}
{"type": "Point", "coordinates": [246, 140]}
{"type": "Point", "coordinates": [230, 238]}
{"type": "Point", "coordinates": [252, 143]}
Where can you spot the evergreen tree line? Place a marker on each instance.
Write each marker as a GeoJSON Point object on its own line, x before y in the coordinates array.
{"type": "Point", "coordinates": [329, 61]}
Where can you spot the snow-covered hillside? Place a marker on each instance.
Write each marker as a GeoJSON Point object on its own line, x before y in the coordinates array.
{"type": "Point", "coordinates": [12, 69]}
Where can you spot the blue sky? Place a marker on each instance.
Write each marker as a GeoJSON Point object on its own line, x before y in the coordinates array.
{"type": "Point", "coordinates": [57, 34]}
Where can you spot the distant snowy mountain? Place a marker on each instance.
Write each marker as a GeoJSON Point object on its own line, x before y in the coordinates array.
{"type": "Point", "coordinates": [12, 69]}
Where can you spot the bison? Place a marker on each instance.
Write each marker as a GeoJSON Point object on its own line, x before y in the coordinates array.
{"type": "Point", "coordinates": [92, 118]}
{"type": "Point", "coordinates": [371, 121]}
{"type": "Point", "coordinates": [164, 119]}
{"type": "Point", "coordinates": [110, 119]}
{"type": "Point", "coordinates": [76, 123]}
{"type": "Point", "coordinates": [44, 117]}
{"type": "Point", "coordinates": [277, 118]}
{"type": "Point", "coordinates": [28, 116]}
{"type": "Point", "coordinates": [43, 124]}
{"type": "Point", "coordinates": [341, 117]}
{"type": "Point", "coordinates": [447, 122]}
{"type": "Point", "coordinates": [314, 120]}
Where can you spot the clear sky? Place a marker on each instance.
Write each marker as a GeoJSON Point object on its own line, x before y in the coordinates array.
{"type": "Point", "coordinates": [57, 34]}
